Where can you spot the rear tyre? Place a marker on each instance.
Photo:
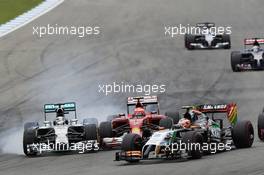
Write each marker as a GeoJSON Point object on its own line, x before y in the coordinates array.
{"type": "Point", "coordinates": [188, 40]}
{"type": "Point", "coordinates": [166, 123]}
{"type": "Point", "coordinates": [226, 38]}
{"type": "Point", "coordinates": [261, 127]}
{"type": "Point", "coordinates": [90, 131]}
{"type": "Point", "coordinates": [132, 142]}
{"type": "Point", "coordinates": [175, 116]}
{"type": "Point", "coordinates": [194, 139]}
{"type": "Point", "coordinates": [105, 130]}
{"type": "Point", "coordinates": [243, 134]}
{"type": "Point", "coordinates": [235, 60]}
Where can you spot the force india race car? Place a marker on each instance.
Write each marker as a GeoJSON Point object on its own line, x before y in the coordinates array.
{"type": "Point", "coordinates": [143, 118]}
{"type": "Point", "coordinates": [261, 125]}
{"type": "Point", "coordinates": [61, 134]}
{"type": "Point", "coordinates": [206, 38]}
{"type": "Point", "coordinates": [250, 58]}
{"type": "Point", "coordinates": [200, 131]}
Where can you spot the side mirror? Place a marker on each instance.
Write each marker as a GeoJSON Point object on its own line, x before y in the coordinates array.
{"type": "Point", "coordinates": [73, 121]}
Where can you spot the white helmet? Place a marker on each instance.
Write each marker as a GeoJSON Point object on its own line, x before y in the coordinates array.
{"type": "Point", "coordinates": [255, 49]}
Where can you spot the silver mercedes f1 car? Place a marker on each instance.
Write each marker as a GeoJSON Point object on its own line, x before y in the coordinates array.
{"type": "Point", "coordinates": [61, 134]}
{"type": "Point", "coordinates": [205, 38]}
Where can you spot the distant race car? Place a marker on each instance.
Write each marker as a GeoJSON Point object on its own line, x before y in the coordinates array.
{"type": "Point", "coordinates": [61, 134]}
{"type": "Point", "coordinates": [143, 118]}
{"type": "Point", "coordinates": [261, 125]}
{"type": "Point", "coordinates": [201, 130]}
{"type": "Point", "coordinates": [249, 58]}
{"type": "Point", "coordinates": [206, 38]}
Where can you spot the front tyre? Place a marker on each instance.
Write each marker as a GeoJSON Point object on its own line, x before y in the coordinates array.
{"type": "Point", "coordinates": [29, 137]}
{"type": "Point", "coordinates": [235, 60]}
{"type": "Point", "coordinates": [226, 38]}
{"type": "Point", "coordinates": [189, 39]}
{"type": "Point", "coordinates": [132, 142]}
{"type": "Point", "coordinates": [193, 140]}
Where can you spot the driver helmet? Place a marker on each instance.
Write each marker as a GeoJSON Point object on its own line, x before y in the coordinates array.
{"type": "Point", "coordinates": [185, 123]}
{"type": "Point", "coordinates": [205, 30]}
{"type": "Point", "coordinates": [60, 112]}
{"type": "Point", "coordinates": [255, 48]}
{"type": "Point", "coordinates": [60, 120]}
{"type": "Point", "coordinates": [193, 114]}
{"type": "Point", "coordinates": [139, 112]}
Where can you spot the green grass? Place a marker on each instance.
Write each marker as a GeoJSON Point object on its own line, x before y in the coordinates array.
{"type": "Point", "coordinates": [10, 9]}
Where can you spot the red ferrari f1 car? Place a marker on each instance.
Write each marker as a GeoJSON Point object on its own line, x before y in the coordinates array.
{"type": "Point", "coordinates": [143, 118]}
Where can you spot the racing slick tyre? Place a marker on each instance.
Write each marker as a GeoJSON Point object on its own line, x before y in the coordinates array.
{"type": "Point", "coordinates": [188, 40]}
{"type": "Point", "coordinates": [194, 139]}
{"type": "Point", "coordinates": [105, 130]}
{"type": "Point", "coordinates": [243, 134]}
{"type": "Point", "coordinates": [261, 126]}
{"type": "Point", "coordinates": [226, 38]}
{"type": "Point", "coordinates": [235, 60]}
{"type": "Point", "coordinates": [88, 121]}
{"type": "Point", "coordinates": [111, 117]}
{"type": "Point", "coordinates": [175, 116]}
{"type": "Point", "coordinates": [166, 123]}
{"type": "Point", "coordinates": [90, 132]}
{"type": "Point", "coordinates": [29, 137]}
{"type": "Point", "coordinates": [132, 142]}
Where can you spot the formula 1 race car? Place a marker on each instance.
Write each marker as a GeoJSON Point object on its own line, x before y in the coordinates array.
{"type": "Point", "coordinates": [261, 125]}
{"type": "Point", "coordinates": [60, 135]}
{"type": "Point", "coordinates": [200, 131]}
{"type": "Point", "coordinates": [206, 38]}
{"type": "Point", "coordinates": [143, 118]}
{"type": "Point", "coordinates": [250, 58]}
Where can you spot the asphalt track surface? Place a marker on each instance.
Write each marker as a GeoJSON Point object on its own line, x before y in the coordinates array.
{"type": "Point", "coordinates": [131, 48]}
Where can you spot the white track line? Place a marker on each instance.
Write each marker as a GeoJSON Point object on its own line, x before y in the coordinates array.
{"type": "Point", "coordinates": [29, 16]}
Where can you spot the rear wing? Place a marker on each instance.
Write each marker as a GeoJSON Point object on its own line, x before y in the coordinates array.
{"type": "Point", "coordinates": [229, 109]}
{"type": "Point", "coordinates": [252, 41]}
{"type": "Point", "coordinates": [67, 107]}
{"type": "Point", "coordinates": [205, 24]}
{"type": "Point", "coordinates": [150, 102]}
{"type": "Point", "coordinates": [142, 99]}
